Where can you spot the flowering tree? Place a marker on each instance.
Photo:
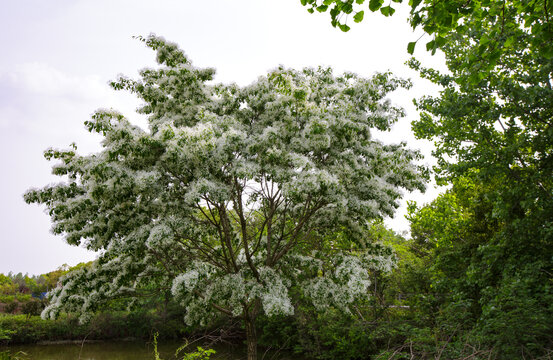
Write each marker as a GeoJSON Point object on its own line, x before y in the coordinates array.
{"type": "Point", "coordinates": [234, 194]}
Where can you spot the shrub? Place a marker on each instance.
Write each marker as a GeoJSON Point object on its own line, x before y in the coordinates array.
{"type": "Point", "coordinates": [7, 355]}
{"type": "Point", "coordinates": [33, 307]}
{"type": "Point", "coordinates": [32, 329]}
{"type": "Point", "coordinates": [11, 307]}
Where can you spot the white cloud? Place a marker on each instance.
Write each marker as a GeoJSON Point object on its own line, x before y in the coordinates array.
{"type": "Point", "coordinates": [40, 107]}
{"type": "Point", "coordinates": [42, 79]}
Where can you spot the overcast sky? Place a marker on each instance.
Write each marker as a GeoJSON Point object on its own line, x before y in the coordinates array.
{"type": "Point", "coordinates": [57, 57]}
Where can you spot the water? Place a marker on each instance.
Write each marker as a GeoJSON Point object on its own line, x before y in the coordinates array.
{"type": "Point", "coordinates": [129, 351]}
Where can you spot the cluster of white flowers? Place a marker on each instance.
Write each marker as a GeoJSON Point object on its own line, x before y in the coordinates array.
{"type": "Point", "coordinates": [202, 287]}
{"type": "Point", "coordinates": [384, 263]}
{"type": "Point", "coordinates": [160, 235]}
{"type": "Point", "coordinates": [187, 282]}
{"type": "Point", "coordinates": [349, 281]}
{"type": "Point", "coordinates": [273, 292]}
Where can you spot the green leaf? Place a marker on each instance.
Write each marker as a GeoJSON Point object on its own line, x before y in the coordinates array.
{"type": "Point", "coordinates": [375, 4]}
{"type": "Point", "coordinates": [440, 41]}
{"type": "Point", "coordinates": [430, 45]}
{"type": "Point", "coordinates": [494, 56]}
{"type": "Point", "coordinates": [481, 49]}
{"type": "Point", "coordinates": [347, 8]}
{"type": "Point", "coordinates": [344, 27]}
{"type": "Point", "coordinates": [360, 2]}
{"type": "Point", "coordinates": [484, 39]}
{"type": "Point", "coordinates": [303, 2]}
{"type": "Point", "coordinates": [430, 28]}
{"type": "Point", "coordinates": [548, 53]}
{"type": "Point", "coordinates": [387, 11]}
{"type": "Point", "coordinates": [311, 11]}
{"type": "Point", "coordinates": [414, 3]}
{"type": "Point", "coordinates": [411, 47]}
{"type": "Point", "coordinates": [447, 21]}
{"type": "Point", "coordinates": [359, 16]}
{"type": "Point", "coordinates": [509, 42]}
{"type": "Point", "coordinates": [322, 8]}
{"type": "Point", "coordinates": [328, 2]}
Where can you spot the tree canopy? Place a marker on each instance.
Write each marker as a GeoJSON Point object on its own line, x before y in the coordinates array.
{"type": "Point", "coordinates": [230, 197]}
{"type": "Point", "coordinates": [495, 26]}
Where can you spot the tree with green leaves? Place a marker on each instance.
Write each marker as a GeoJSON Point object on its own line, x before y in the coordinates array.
{"type": "Point", "coordinates": [495, 127]}
{"type": "Point", "coordinates": [494, 286]}
{"type": "Point", "coordinates": [230, 197]}
{"type": "Point", "coordinates": [7, 286]}
{"type": "Point", "coordinates": [492, 125]}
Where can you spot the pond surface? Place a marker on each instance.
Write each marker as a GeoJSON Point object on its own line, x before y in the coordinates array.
{"type": "Point", "coordinates": [129, 351]}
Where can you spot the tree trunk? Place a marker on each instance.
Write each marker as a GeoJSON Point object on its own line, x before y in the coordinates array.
{"type": "Point", "coordinates": [251, 337]}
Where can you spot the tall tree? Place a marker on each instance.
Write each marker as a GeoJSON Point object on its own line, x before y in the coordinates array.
{"type": "Point", "coordinates": [230, 196]}
{"type": "Point", "coordinates": [493, 123]}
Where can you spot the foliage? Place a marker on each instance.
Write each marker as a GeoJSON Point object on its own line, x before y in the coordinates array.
{"type": "Point", "coordinates": [6, 299]}
{"type": "Point", "coordinates": [438, 302]}
{"type": "Point", "coordinates": [200, 354]}
{"type": "Point", "coordinates": [279, 331]}
{"type": "Point", "coordinates": [500, 301]}
{"type": "Point", "coordinates": [24, 329]}
{"type": "Point", "coordinates": [378, 321]}
{"type": "Point", "coordinates": [21, 286]}
{"type": "Point", "coordinates": [5, 335]}
{"type": "Point", "coordinates": [5, 279]}
{"type": "Point", "coordinates": [105, 326]}
{"type": "Point", "coordinates": [26, 294]}
{"type": "Point", "coordinates": [493, 135]}
{"type": "Point", "coordinates": [495, 26]}
{"type": "Point", "coordinates": [154, 342]}
{"type": "Point", "coordinates": [33, 307]}
{"type": "Point", "coordinates": [331, 335]}
{"type": "Point", "coordinates": [7, 355]}
{"type": "Point", "coordinates": [11, 307]}
{"type": "Point", "coordinates": [230, 196]}
{"type": "Point", "coordinates": [6, 285]}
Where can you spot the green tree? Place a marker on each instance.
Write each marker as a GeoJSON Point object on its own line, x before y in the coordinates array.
{"type": "Point", "coordinates": [229, 196]}
{"type": "Point", "coordinates": [492, 126]}
{"type": "Point", "coordinates": [7, 286]}
{"type": "Point", "coordinates": [496, 287]}
{"type": "Point", "coordinates": [52, 278]}
{"type": "Point", "coordinates": [4, 279]}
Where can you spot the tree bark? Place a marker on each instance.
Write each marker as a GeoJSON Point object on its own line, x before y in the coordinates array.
{"type": "Point", "coordinates": [251, 337]}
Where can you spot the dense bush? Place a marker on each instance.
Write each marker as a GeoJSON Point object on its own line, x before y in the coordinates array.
{"type": "Point", "coordinates": [33, 307]}
{"type": "Point", "coordinates": [11, 307]}
{"type": "Point", "coordinates": [32, 329]}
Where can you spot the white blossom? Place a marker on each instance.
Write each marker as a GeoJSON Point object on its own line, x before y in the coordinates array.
{"type": "Point", "coordinates": [230, 195]}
